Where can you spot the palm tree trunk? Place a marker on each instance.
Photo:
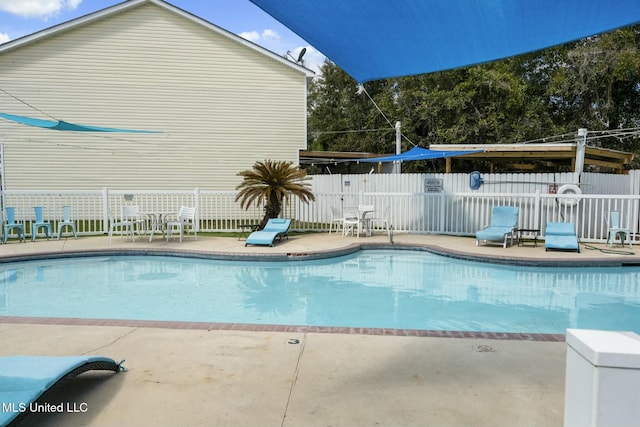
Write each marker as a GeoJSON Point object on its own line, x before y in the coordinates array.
{"type": "Point", "coordinates": [272, 209]}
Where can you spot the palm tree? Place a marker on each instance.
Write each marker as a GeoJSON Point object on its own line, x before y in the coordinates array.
{"type": "Point", "coordinates": [272, 182]}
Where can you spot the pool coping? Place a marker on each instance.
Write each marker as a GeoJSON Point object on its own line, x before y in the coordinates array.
{"type": "Point", "coordinates": [329, 253]}
{"type": "Point", "coordinates": [257, 327]}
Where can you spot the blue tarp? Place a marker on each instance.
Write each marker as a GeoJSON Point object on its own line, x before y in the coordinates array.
{"type": "Point", "coordinates": [65, 126]}
{"type": "Point", "coordinates": [376, 39]}
{"type": "Point", "coordinates": [418, 153]}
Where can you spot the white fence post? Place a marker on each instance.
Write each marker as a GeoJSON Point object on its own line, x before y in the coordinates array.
{"type": "Point", "coordinates": [536, 211]}
{"type": "Point", "coordinates": [196, 195]}
{"type": "Point", "coordinates": [105, 210]}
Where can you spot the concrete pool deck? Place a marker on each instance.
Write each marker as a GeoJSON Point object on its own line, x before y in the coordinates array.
{"type": "Point", "coordinates": [202, 377]}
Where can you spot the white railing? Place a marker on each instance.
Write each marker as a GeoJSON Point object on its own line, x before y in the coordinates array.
{"type": "Point", "coordinates": [465, 213]}
{"type": "Point", "coordinates": [455, 213]}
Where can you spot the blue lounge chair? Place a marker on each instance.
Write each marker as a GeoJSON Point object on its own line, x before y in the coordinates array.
{"type": "Point", "coordinates": [504, 220]}
{"type": "Point", "coordinates": [276, 228]}
{"type": "Point", "coordinates": [24, 379]}
{"type": "Point", "coordinates": [561, 236]}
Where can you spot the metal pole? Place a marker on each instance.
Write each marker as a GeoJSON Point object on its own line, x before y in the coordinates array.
{"type": "Point", "coordinates": [581, 143]}
{"type": "Point", "coordinates": [397, 167]}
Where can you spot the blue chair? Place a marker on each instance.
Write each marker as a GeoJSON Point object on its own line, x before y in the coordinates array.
{"type": "Point", "coordinates": [67, 222]}
{"type": "Point", "coordinates": [25, 379]}
{"type": "Point", "coordinates": [614, 229]}
{"type": "Point", "coordinates": [276, 228]}
{"type": "Point", "coordinates": [561, 236]}
{"type": "Point", "coordinates": [11, 224]}
{"type": "Point", "coordinates": [504, 220]}
{"type": "Point", "coordinates": [40, 223]}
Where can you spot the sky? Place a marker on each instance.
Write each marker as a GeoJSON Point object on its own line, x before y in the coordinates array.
{"type": "Point", "coordinates": [19, 18]}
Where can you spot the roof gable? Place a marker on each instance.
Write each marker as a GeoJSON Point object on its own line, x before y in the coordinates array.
{"type": "Point", "coordinates": [132, 4]}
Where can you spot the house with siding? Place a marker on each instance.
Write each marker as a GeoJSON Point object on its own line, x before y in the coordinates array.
{"type": "Point", "coordinates": [217, 101]}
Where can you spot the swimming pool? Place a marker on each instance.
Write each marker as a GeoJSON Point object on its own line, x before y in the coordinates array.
{"type": "Point", "coordinates": [373, 288]}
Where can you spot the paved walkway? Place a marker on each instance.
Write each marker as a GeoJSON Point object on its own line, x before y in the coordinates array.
{"type": "Point", "coordinates": [270, 378]}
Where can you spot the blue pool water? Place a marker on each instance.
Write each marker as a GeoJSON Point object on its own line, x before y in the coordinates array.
{"type": "Point", "coordinates": [375, 288]}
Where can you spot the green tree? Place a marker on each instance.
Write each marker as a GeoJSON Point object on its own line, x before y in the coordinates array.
{"type": "Point", "coordinates": [593, 83]}
{"type": "Point", "coordinates": [272, 182]}
{"type": "Point", "coordinates": [597, 85]}
{"type": "Point", "coordinates": [343, 118]}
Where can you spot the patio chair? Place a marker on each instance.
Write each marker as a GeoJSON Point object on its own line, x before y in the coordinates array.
{"type": "Point", "coordinates": [504, 220]}
{"type": "Point", "coordinates": [275, 229]}
{"type": "Point", "coordinates": [185, 219]}
{"type": "Point", "coordinates": [351, 222]}
{"type": "Point", "coordinates": [40, 223]}
{"type": "Point", "coordinates": [10, 223]}
{"type": "Point", "coordinates": [67, 222]}
{"type": "Point", "coordinates": [25, 379]}
{"type": "Point", "coordinates": [382, 221]}
{"type": "Point", "coordinates": [337, 217]}
{"type": "Point", "coordinates": [357, 218]}
{"type": "Point", "coordinates": [132, 213]}
{"type": "Point", "coordinates": [123, 225]}
{"type": "Point", "coordinates": [614, 229]}
{"type": "Point", "coordinates": [561, 236]}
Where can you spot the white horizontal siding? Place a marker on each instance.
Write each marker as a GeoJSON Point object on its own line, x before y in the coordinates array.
{"type": "Point", "coordinates": [220, 105]}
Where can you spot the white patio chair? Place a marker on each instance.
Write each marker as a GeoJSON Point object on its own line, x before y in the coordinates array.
{"type": "Point", "coordinates": [351, 222]}
{"type": "Point", "coordinates": [337, 218]}
{"type": "Point", "coordinates": [185, 218]}
{"type": "Point", "coordinates": [382, 221]}
{"type": "Point", "coordinates": [129, 217]}
{"type": "Point", "coordinates": [365, 221]}
{"type": "Point", "coordinates": [134, 214]}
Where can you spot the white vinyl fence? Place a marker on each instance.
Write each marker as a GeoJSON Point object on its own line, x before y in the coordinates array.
{"type": "Point", "coordinates": [413, 203]}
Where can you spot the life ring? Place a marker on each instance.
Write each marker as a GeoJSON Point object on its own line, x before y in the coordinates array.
{"type": "Point", "coordinates": [568, 189]}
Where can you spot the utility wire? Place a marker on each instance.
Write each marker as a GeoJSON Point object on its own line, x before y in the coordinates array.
{"type": "Point", "coordinates": [27, 104]}
{"type": "Point", "coordinates": [352, 131]}
{"type": "Point", "coordinates": [364, 89]}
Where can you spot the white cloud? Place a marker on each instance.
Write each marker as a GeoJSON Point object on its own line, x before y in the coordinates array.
{"type": "Point", "coordinates": [37, 8]}
{"type": "Point", "coordinates": [252, 36]}
{"type": "Point", "coordinates": [270, 35]}
{"type": "Point", "coordinates": [4, 38]}
{"type": "Point", "coordinates": [256, 37]}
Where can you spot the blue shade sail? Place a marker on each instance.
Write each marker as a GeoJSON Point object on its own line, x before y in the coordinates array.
{"type": "Point", "coordinates": [418, 153]}
{"type": "Point", "coordinates": [65, 126]}
{"type": "Point", "coordinates": [376, 39]}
